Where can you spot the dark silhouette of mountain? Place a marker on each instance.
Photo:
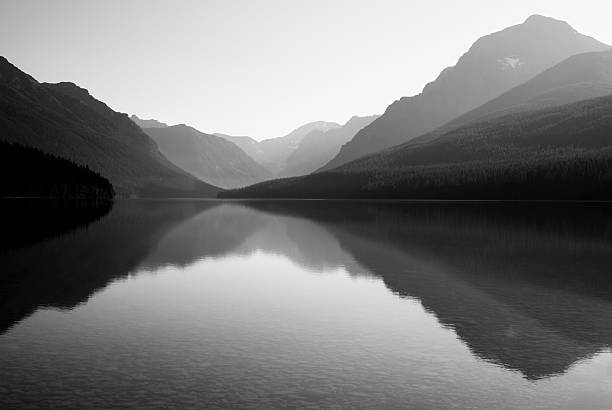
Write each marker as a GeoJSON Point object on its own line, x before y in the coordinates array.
{"type": "Point", "coordinates": [494, 64]}
{"type": "Point", "coordinates": [152, 123]}
{"type": "Point", "coordinates": [580, 77]}
{"type": "Point", "coordinates": [64, 120]}
{"type": "Point", "coordinates": [208, 157]}
{"type": "Point", "coordinates": [28, 172]}
{"type": "Point", "coordinates": [273, 153]}
{"type": "Point", "coordinates": [556, 153]}
{"type": "Point", "coordinates": [318, 147]}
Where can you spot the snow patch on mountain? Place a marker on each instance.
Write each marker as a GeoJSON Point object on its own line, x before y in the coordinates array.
{"type": "Point", "coordinates": [510, 62]}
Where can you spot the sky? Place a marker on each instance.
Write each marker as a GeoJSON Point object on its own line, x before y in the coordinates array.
{"type": "Point", "coordinates": [260, 67]}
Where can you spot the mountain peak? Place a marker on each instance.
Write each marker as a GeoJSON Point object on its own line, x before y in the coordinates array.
{"type": "Point", "coordinates": [6, 65]}
{"type": "Point", "coordinates": [11, 74]}
{"type": "Point", "coordinates": [539, 21]}
{"type": "Point", "coordinates": [538, 18]}
{"type": "Point", "coordinates": [494, 64]}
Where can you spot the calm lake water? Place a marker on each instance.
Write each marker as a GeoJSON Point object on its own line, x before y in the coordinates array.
{"type": "Point", "coordinates": [306, 305]}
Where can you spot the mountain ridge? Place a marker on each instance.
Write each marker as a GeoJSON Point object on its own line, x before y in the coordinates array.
{"type": "Point", "coordinates": [272, 153]}
{"type": "Point", "coordinates": [553, 153]}
{"type": "Point", "coordinates": [64, 120]}
{"type": "Point", "coordinates": [319, 147]}
{"type": "Point", "coordinates": [150, 123]}
{"type": "Point", "coordinates": [494, 64]}
{"type": "Point", "coordinates": [212, 159]}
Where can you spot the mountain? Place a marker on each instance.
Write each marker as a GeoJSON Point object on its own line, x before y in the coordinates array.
{"type": "Point", "coordinates": [273, 153]}
{"type": "Point", "coordinates": [65, 121]}
{"type": "Point", "coordinates": [249, 145]}
{"type": "Point", "coordinates": [580, 77]}
{"type": "Point", "coordinates": [147, 123]}
{"type": "Point", "coordinates": [318, 147]}
{"type": "Point", "coordinates": [493, 65]}
{"type": "Point", "coordinates": [208, 157]}
{"type": "Point", "coordinates": [554, 153]}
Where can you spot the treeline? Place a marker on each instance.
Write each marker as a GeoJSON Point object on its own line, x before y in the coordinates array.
{"type": "Point", "coordinates": [546, 175]}
{"type": "Point", "coordinates": [29, 172]}
{"type": "Point", "coordinates": [559, 153]}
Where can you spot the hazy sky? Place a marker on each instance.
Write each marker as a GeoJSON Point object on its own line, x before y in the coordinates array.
{"type": "Point", "coordinates": [260, 67]}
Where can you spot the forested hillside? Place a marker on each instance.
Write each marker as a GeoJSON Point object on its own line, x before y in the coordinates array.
{"type": "Point", "coordinates": [64, 120]}
{"type": "Point", "coordinates": [557, 153]}
{"type": "Point", "coordinates": [28, 172]}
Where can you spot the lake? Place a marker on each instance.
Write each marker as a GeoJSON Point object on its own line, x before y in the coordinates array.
{"type": "Point", "coordinates": [306, 304]}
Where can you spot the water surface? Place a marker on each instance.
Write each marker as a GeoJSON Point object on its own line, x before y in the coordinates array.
{"type": "Point", "coordinates": [307, 304]}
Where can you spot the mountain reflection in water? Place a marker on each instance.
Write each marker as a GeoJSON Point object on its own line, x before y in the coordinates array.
{"type": "Point", "coordinates": [524, 286]}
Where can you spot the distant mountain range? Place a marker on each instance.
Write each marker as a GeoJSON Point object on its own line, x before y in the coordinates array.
{"type": "Point", "coordinates": [273, 153]}
{"type": "Point", "coordinates": [554, 153]}
{"type": "Point", "coordinates": [318, 147]}
{"type": "Point", "coordinates": [303, 150]}
{"type": "Point", "coordinates": [249, 145]}
{"type": "Point", "coordinates": [236, 161]}
{"type": "Point", "coordinates": [548, 138]}
{"type": "Point", "coordinates": [65, 121]}
{"type": "Point", "coordinates": [524, 114]}
{"type": "Point", "coordinates": [494, 64]}
{"type": "Point", "coordinates": [208, 157]}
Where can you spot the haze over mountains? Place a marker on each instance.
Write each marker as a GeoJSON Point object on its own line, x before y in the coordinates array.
{"type": "Point", "coordinates": [548, 138]}
{"type": "Point", "coordinates": [494, 64]}
{"type": "Point", "coordinates": [303, 150]}
{"type": "Point", "coordinates": [236, 161]}
{"type": "Point", "coordinates": [318, 147]}
{"type": "Point", "coordinates": [249, 145]}
{"type": "Point", "coordinates": [208, 157]}
{"type": "Point", "coordinates": [555, 153]}
{"type": "Point", "coordinates": [66, 121]}
{"type": "Point", "coordinates": [580, 77]}
{"type": "Point", "coordinates": [524, 114]}
{"type": "Point", "coordinates": [273, 153]}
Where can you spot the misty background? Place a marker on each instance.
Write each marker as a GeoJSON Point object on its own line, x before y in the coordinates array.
{"type": "Point", "coordinates": [259, 68]}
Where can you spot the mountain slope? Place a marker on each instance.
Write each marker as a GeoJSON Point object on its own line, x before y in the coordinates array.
{"type": "Point", "coordinates": [152, 123]}
{"type": "Point", "coordinates": [494, 64]}
{"type": "Point", "coordinates": [28, 172]}
{"type": "Point", "coordinates": [580, 77]}
{"type": "Point", "coordinates": [65, 121]}
{"type": "Point", "coordinates": [208, 157]}
{"type": "Point", "coordinates": [273, 153]}
{"type": "Point", "coordinates": [249, 145]}
{"type": "Point", "coordinates": [555, 153]}
{"type": "Point", "coordinates": [318, 147]}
